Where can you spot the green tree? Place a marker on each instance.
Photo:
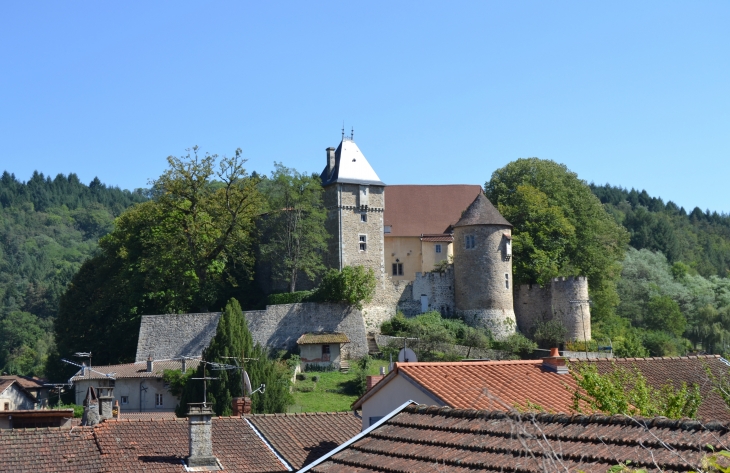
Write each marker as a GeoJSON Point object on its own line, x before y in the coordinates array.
{"type": "Point", "coordinates": [621, 391]}
{"type": "Point", "coordinates": [353, 285]}
{"type": "Point", "coordinates": [664, 314]}
{"type": "Point", "coordinates": [295, 236]}
{"type": "Point", "coordinates": [560, 200]}
{"type": "Point", "coordinates": [233, 341]}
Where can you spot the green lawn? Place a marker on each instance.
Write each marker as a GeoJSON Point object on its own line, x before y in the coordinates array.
{"type": "Point", "coordinates": [333, 392]}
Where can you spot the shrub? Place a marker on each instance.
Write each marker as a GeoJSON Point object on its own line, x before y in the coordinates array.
{"type": "Point", "coordinates": [301, 376]}
{"type": "Point", "coordinates": [319, 367]}
{"type": "Point", "coordinates": [315, 378]}
{"type": "Point", "coordinates": [288, 297]}
{"type": "Point", "coordinates": [353, 285]}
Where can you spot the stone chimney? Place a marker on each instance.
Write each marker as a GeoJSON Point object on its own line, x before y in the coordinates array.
{"type": "Point", "coordinates": [241, 405]}
{"type": "Point", "coordinates": [91, 408]}
{"type": "Point", "coordinates": [555, 362]}
{"type": "Point", "coordinates": [201, 437]}
{"type": "Point", "coordinates": [106, 403]}
{"type": "Point", "coordinates": [183, 365]}
{"type": "Point", "coordinates": [330, 160]}
{"type": "Point", "coordinates": [150, 364]}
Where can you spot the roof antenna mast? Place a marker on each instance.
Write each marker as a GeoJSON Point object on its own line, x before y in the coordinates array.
{"type": "Point", "coordinates": [352, 133]}
{"type": "Point", "coordinates": [343, 129]}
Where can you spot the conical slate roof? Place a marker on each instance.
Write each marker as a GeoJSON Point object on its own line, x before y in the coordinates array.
{"type": "Point", "coordinates": [482, 212]}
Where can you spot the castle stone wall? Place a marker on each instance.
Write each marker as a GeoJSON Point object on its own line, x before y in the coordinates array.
{"type": "Point", "coordinates": [552, 302]}
{"type": "Point", "coordinates": [171, 336]}
{"type": "Point", "coordinates": [576, 317]}
{"type": "Point", "coordinates": [532, 305]}
{"type": "Point", "coordinates": [439, 288]}
{"type": "Point", "coordinates": [279, 326]}
{"type": "Point", "coordinates": [481, 291]}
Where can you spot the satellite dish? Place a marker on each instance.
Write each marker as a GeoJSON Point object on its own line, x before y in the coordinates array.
{"type": "Point", "coordinates": [407, 355]}
{"type": "Point", "coordinates": [246, 384]}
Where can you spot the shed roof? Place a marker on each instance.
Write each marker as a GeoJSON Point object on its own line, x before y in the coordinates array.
{"type": "Point", "coordinates": [351, 167]}
{"type": "Point", "coordinates": [482, 212]}
{"type": "Point", "coordinates": [414, 210]}
{"type": "Point", "coordinates": [317, 338]}
{"type": "Point", "coordinates": [446, 440]}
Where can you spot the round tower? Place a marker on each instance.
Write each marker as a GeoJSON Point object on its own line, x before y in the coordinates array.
{"type": "Point", "coordinates": [571, 307]}
{"type": "Point", "coordinates": [483, 268]}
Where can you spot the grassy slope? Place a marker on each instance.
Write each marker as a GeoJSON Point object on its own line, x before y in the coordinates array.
{"type": "Point", "coordinates": [334, 392]}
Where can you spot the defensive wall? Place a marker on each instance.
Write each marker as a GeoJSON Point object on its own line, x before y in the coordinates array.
{"type": "Point", "coordinates": [170, 336]}
{"type": "Point", "coordinates": [534, 304]}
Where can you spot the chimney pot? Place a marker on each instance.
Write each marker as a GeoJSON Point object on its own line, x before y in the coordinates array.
{"type": "Point", "coordinates": [555, 362]}
{"type": "Point", "coordinates": [150, 364]}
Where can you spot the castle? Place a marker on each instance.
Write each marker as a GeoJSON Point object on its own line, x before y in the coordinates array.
{"type": "Point", "coordinates": [427, 226]}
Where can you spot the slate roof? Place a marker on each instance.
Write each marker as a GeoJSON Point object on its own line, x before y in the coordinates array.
{"type": "Point", "coordinates": [302, 438]}
{"type": "Point", "coordinates": [482, 212]}
{"type": "Point", "coordinates": [445, 440]}
{"type": "Point", "coordinates": [317, 338]}
{"type": "Point", "coordinates": [351, 167]}
{"type": "Point", "coordinates": [135, 370]}
{"type": "Point", "coordinates": [414, 210]}
{"type": "Point", "coordinates": [494, 385]}
{"type": "Point", "coordinates": [690, 369]}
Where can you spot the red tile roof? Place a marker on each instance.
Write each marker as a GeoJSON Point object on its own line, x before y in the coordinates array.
{"type": "Point", "coordinates": [26, 381]}
{"type": "Point", "coordinates": [135, 370]}
{"type": "Point", "coordinates": [303, 438]}
{"type": "Point", "coordinates": [688, 369]}
{"type": "Point", "coordinates": [494, 385]}
{"type": "Point", "coordinates": [448, 237]}
{"type": "Point", "coordinates": [445, 440]}
{"type": "Point", "coordinates": [415, 210]}
{"type": "Point", "coordinates": [49, 450]}
{"type": "Point", "coordinates": [162, 445]}
{"type": "Point", "coordinates": [147, 415]}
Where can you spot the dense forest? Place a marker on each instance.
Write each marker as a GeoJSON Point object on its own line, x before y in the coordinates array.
{"type": "Point", "coordinates": [663, 289]}
{"type": "Point", "coordinates": [48, 228]}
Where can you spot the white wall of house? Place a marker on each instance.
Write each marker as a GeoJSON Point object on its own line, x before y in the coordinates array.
{"type": "Point", "coordinates": [13, 399]}
{"type": "Point", "coordinates": [392, 395]}
{"type": "Point", "coordinates": [313, 354]}
{"type": "Point", "coordinates": [140, 394]}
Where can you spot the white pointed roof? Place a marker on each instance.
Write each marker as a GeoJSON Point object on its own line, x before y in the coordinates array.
{"type": "Point", "coordinates": [351, 167]}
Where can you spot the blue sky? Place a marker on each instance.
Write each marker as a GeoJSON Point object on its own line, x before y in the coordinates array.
{"type": "Point", "coordinates": [631, 93]}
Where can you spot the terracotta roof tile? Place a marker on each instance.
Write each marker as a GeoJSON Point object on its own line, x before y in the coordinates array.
{"type": "Point", "coordinates": [49, 450]}
{"type": "Point", "coordinates": [445, 440]}
{"type": "Point", "coordinates": [302, 438]}
{"type": "Point", "coordinates": [415, 210]}
{"type": "Point", "coordinates": [135, 370]}
{"type": "Point", "coordinates": [448, 237]}
{"type": "Point", "coordinates": [494, 385]}
{"type": "Point", "coordinates": [691, 369]}
{"type": "Point", "coordinates": [26, 381]}
{"type": "Point", "coordinates": [316, 338]}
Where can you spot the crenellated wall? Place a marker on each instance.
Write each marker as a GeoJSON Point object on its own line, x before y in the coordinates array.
{"type": "Point", "coordinates": [533, 303]}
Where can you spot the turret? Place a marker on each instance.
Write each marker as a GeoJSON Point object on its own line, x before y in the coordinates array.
{"type": "Point", "coordinates": [483, 268]}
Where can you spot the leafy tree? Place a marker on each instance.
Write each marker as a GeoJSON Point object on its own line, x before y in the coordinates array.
{"type": "Point", "coordinates": [549, 334]}
{"type": "Point", "coordinates": [233, 340]}
{"type": "Point", "coordinates": [353, 285]}
{"type": "Point", "coordinates": [664, 314]}
{"type": "Point", "coordinates": [621, 391]}
{"type": "Point", "coordinates": [187, 248]}
{"type": "Point", "coordinates": [572, 234]}
{"type": "Point", "coordinates": [294, 225]}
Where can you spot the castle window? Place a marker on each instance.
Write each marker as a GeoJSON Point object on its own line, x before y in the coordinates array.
{"type": "Point", "coordinates": [469, 241]}
{"type": "Point", "coordinates": [397, 269]}
{"type": "Point", "coordinates": [508, 249]}
{"type": "Point", "coordinates": [363, 242]}
{"type": "Point", "coordinates": [438, 248]}
{"type": "Point", "coordinates": [363, 217]}
{"type": "Point", "coordinates": [506, 280]}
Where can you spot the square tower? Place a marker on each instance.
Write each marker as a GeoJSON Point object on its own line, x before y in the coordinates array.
{"type": "Point", "coordinates": [355, 199]}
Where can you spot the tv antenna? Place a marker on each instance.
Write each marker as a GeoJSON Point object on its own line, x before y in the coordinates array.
{"type": "Point", "coordinates": [246, 388]}
{"type": "Point", "coordinates": [59, 387]}
{"type": "Point", "coordinates": [205, 380]}
{"type": "Point", "coordinates": [84, 368]}
{"type": "Point", "coordinates": [84, 354]}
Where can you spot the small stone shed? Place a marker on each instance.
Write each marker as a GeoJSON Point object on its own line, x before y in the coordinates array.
{"type": "Point", "coordinates": [321, 348]}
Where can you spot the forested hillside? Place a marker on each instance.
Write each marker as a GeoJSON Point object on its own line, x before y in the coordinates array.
{"type": "Point", "coordinates": [48, 228]}
{"type": "Point", "coordinates": [674, 288]}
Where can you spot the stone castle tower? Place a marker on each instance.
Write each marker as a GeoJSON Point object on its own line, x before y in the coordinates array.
{"type": "Point", "coordinates": [483, 268]}
{"type": "Point", "coordinates": [354, 198]}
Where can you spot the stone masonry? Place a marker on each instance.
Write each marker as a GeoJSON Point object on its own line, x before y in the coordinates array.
{"type": "Point", "coordinates": [170, 336]}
